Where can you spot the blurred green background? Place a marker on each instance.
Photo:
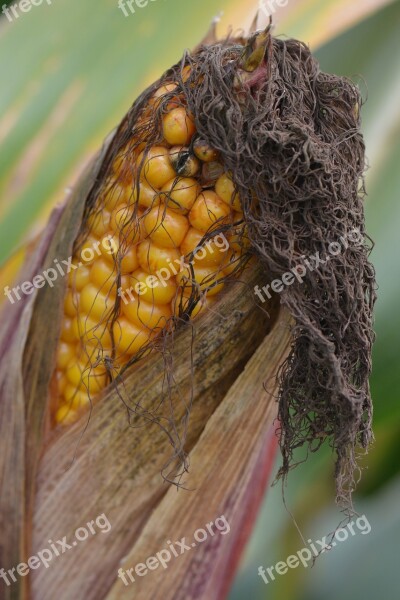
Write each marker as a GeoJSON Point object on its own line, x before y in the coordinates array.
{"type": "Point", "coordinates": [70, 70]}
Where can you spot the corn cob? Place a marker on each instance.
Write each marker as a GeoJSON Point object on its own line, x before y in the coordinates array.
{"type": "Point", "coordinates": [270, 125]}
{"type": "Point", "coordinates": [162, 254]}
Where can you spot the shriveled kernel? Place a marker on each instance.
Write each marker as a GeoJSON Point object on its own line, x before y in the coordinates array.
{"type": "Point", "coordinates": [129, 338]}
{"type": "Point", "coordinates": [180, 193]}
{"type": "Point", "coordinates": [184, 162]}
{"type": "Point", "coordinates": [207, 252]}
{"type": "Point", "coordinates": [210, 173]}
{"type": "Point", "coordinates": [165, 227]}
{"type": "Point", "coordinates": [203, 150]}
{"type": "Point", "coordinates": [208, 210]}
{"type": "Point", "coordinates": [157, 168]}
{"type": "Point", "coordinates": [96, 303]}
{"type": "Point", "coordinates": [152, 258]}
{"type": "Point", "coordinates": [225, 188]}
{"type": "Point", "coordinates": [147, 314]}
{"type": "Point", "coordinates": [178, 127]}
{"type": "Point", "coordinates": [152, 288]}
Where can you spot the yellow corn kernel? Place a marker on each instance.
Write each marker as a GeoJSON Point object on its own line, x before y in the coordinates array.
{"type": "Point", "coordinates": [91, 332]}
{"type": "Point", "coordinates": [178, 127]}
{"type": "Point", "coordinates": [93, 354]}
{"type": "Point", "coordinates": [157, 168]}
{"type": "Point", "coordinates": [99, 223]}
{"type": "Point", "coordinates": [129, 338]}
{"type": "Point", "coordinates": [180, 193]}
{"type": "Point", "coordinates": [165, 227]}
{"type": "Point", "coordinates": [208, 253]}
{"type": "Point", "coordinates": [103, 275]}
{"type": "Point", "coordinates": [67, 331]}
{"type": "Point", "coordinates": [152, 258]}
{"type": "Point", "coordinates": [225, 188]}
{"type": "Point", "coordinates": [65, 354]}
{"type": "Point", "coordinates": [96, 303]}
{"type": "Point", "coordinates": [124, 165]}
{"type": "Point", "coordinates": [147, 314]}
{"type": "Point", "coordinates": [77, 399]}
{"type": "Point", "coordinates": [89, 251]}
{"type": "Point", "coordinates": [125, 221]}
{"type": "Point", "coordinates": [232, 262]}
{"type": "Point", "coordinates": [129, 260]}
{"type": "Point", "coordinates": [117, 249]}
{"type": "Point", "coordinates": [71, 303]}
{"type": "Point", "coordinates": [86, 377]}
{"type": "Point", "coordinates": [204, 279]}
{"type": "Point", "coordinates": [125, 282]}
{"type": "Point", "coordinates": [115, 194]}
{"type": "Point", "coordinates": [65, 415]}
{"type": "Point", "coordinates": [208, 210]}
{"type": "Point", "coordinates": [78, 278]}
{"type": "Point", "coordinates": [146, 196]}
{"type": "Point", "coordinates": [61, 380]}
{"type": "Point", "coordinates": [153, 289]}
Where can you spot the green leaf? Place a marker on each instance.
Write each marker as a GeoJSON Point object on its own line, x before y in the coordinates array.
{"type": "Point", "coordinates": [70, 71]}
